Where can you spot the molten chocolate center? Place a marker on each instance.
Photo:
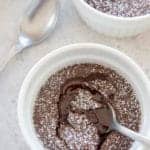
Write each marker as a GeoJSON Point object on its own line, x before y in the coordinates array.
{"type": "Point", "coordinates": [100, 117]}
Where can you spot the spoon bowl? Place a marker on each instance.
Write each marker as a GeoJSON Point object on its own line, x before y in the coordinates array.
{"type": "Point", "coordinates": [36, 25]}
{"type": "Point", "coordinates": [39, 22]}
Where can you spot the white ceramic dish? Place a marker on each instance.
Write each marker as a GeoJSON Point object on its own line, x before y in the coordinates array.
{"type": "Point", "coordinates": [112, 25]}
{"type": "Point", "coordinates": [80, 53]}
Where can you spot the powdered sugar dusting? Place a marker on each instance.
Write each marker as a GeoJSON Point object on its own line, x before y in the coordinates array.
{"type": "Point", "coordinates": [82, 136]}
{"type": "Point", "coordinates": [125, 8]}
{"type": "Point", "coordinates": [105, 87]}
{"type": "Point", "coordinates": [84, 101]}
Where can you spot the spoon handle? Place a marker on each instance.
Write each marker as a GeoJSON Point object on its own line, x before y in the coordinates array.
{"type": "Point", "coordinates": [8, 55]}
{"type": "Point", "coordinates": [133, 135]}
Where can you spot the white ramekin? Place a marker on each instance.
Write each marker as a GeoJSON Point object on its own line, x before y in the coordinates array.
{"type": "Point", "coordinates": [80, 53]}
{"type": "Point", "coordinates": [112, 25]}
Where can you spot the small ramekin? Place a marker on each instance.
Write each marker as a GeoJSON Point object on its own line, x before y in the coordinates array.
{"type": "Point", "coordinates": [111, 25]}
{"type": "Point", "coordinates": [73, 54]}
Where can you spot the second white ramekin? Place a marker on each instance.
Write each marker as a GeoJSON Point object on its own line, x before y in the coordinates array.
{"type": "Point", "coordinates": [112, 25]}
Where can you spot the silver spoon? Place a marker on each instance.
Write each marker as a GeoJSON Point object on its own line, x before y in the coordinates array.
{"type": "Point", "coordinates": [115, 125]}
{"type": "Point", "coordinates": [36, 25]}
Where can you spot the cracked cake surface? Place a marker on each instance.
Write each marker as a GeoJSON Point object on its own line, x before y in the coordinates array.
{"type": "Point", "coordinates": [71, 112]}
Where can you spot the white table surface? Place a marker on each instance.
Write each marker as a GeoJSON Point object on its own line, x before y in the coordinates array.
{"type": "Point", "coordinates": [70, 29]}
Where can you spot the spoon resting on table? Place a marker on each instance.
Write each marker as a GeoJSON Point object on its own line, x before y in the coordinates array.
{"type": "Point", "coordinates": [36, 26]}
